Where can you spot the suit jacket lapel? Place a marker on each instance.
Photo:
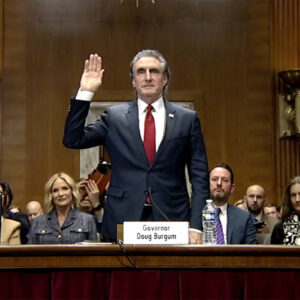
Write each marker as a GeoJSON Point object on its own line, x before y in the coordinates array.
{"type": "Point", "coordinates": [133, 122]}
{"type": "Point", "coordinates": [71, 217]}
{"type": "Point", "coordinates": [132, 117]}
{"type": "Point", "coordinates": [52, 221]}
{"type": "Point", "coordinates": [230, 220]}
{"type": "Point", "coordinates": [170, 124]}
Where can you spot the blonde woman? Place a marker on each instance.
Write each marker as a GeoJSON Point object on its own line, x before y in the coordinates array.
{"type": "Point", "coordinates": [63, 223]}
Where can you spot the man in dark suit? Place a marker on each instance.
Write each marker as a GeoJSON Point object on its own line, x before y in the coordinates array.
{"type": "Point", "coordinates": [237, 225]}
{"type": "Point", "coordinates": [149, 148]}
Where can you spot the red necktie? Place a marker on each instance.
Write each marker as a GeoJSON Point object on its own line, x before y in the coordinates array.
{"type": "Point", "coordinates": [149, 135]}
{"type": "Point", "coordinates": [149, 139]}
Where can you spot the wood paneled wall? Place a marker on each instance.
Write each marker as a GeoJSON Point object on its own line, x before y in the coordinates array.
{"type": "Point", "coordinates": [1, 70]}
{"type": "Point", "coordinates": [285, 56]}
{"type": "Point", "coordinates": [220, 50]}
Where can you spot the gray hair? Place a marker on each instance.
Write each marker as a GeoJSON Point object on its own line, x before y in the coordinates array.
{"type": "Point", "coordinates": [156, 54]}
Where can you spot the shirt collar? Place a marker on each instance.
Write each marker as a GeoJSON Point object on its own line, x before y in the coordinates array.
{"type": "Point", "coordinates": [259, 217]}
{"type": "Point", "coordinates": [222, 207]}
{"type": "Point", "coordinates": [157, 105]}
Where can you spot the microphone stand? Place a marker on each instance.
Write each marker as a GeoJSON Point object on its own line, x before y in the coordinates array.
{"type": "Point", "coordinates": [155, 205]}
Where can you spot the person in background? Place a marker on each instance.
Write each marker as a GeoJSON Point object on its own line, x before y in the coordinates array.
{"type": "Point", "coordinates": [287, 232]}
{"type": "Point", "coordinates": [241, 204]}
{"type": "Point", "coordinates": [15, 209]}
{"type": "Point", "coordinates": [17, 216]}
{"type": "Point", "coordinates": [236, 225]}
{"type": "Point", "coordinates": [91, 201]}
{"type": "Point", "coordinates": [34, 209]}
{"type": "Point", "coordinates": [10, 229]}
{"type": "Point", "coordinates": [63, 223]}
{"type": "Point", "coordinates": [150, 142]}
{"type": "Point", "coordinates": [255, 199]}
{"type": "Point", "coordinates": [272, 211]}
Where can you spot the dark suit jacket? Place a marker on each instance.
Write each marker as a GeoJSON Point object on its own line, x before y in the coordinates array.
{"type": "Point", "coordinates": [240, 226]}
{"type": "Point", "coordinates": [277, 235]}
{"type": "Point", "coordinates": [132, 176]}
{"type": "Point", "coordinates": [77, 227]}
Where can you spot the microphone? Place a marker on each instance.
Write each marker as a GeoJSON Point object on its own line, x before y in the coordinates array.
{"type": "Point", "coordinates": [149, 190]}
{"type": "Point", "coordinates": [130, 259]}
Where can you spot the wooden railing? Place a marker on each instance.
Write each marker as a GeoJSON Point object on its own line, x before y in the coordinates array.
{"type": "Point", "coordinates": [131, 256]}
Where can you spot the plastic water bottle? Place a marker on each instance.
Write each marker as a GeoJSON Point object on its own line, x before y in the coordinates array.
{"type": "Point", "coordinates": [209, 224]}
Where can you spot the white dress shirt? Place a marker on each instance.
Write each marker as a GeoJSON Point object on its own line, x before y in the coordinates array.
{"type": "Point", "coordinates": [159, 115]}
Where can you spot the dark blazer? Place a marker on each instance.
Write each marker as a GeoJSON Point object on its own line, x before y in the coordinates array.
{"type": "Point", "coordinates": [240, 227]}
{"type": "Point", "coordinates": [77, 227]}
{"type": "Point", "coordinates": [131, 175]}
{"type": "Point", "coordinates": [277, 234]}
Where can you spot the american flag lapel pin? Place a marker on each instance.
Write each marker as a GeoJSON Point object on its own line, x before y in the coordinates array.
{"type": "Point", "coordinates": [171, 115]}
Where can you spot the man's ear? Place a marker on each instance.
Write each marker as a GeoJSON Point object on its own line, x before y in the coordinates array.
{"type": "Point", "coordinates": [133, 82]}
{"type": "Point", "coordinates": [265, 200]}
{"type": "Point", "coordinates": [232, 188]}
{"type": "Point", "coordinates": [165, 80]}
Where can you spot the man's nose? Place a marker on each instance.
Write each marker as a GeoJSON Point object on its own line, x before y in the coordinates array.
{"type": "Point", "coordinates": [298, 197]}
{"type": "Point", "coordinates": [219, 181]}
{"type": "Point", "coordinates": [148, 75]}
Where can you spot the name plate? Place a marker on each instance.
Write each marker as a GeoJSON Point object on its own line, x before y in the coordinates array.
{"type": "Point", "coordinates": [156, 233]}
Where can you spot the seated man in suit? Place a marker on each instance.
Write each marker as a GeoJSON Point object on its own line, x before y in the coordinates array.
{"type": "Point", "coordinates": [150, 141]}
{"type": "Point", "coordinates": [237, 224]}
{"type": "Point", "coordinates": [255, 199]}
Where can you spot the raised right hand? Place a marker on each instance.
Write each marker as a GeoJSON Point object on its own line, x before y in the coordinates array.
{"type": "Point", "coordinates": [92, 75]}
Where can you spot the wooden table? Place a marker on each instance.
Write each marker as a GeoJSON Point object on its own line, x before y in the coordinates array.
{"type": "Point", "coordinates": [112, 271]}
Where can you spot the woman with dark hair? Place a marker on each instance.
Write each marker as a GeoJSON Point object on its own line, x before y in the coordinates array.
{"type": "Point", "coordinates": [63, 223]}
{"type": "Point", "coordinates": [16, 216]}
{"type": "Point", "coordinates": [287, 232]}
{"type": "Point", "coordinates": [10, 229]}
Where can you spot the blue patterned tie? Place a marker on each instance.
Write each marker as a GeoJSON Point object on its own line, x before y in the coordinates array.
{"type": "Point", "coordinates": [220, 236]}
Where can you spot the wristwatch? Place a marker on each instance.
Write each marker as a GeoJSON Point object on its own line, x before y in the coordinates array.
{"type": "Point", "coordinates": [98, 207]}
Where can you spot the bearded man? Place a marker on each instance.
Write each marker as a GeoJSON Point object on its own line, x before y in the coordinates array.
{"type": "Point", "coordinates": [237, 225]}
